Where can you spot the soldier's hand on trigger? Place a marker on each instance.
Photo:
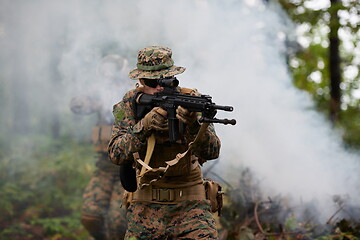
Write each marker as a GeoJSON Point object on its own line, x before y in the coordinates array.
{"type": "Point", "coordinates": [184, 115]}
{"type": "Point", "coordinates": [156, 120]}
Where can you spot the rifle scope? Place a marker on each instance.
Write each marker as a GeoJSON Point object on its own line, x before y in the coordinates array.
{"type": "Point", "coordinates": [168, 82]}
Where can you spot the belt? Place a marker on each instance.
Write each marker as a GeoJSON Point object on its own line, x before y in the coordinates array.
{"type": "Point", "coordinates": [169, 195]}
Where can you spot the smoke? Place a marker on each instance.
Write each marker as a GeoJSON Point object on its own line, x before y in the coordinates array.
{"type": "Point", "coordinates": [233, 50]}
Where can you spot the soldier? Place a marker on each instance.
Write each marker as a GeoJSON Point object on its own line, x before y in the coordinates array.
{"type": "Point", "coordinates": [167, 204]}
{"type": "Point", "coordinates": [102, 214]}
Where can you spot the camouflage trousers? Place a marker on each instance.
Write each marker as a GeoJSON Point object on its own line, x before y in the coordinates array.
{"type": "Point", "coordinates": [103, 199]}
{"type": "Point", "coordinates": [185, 220]}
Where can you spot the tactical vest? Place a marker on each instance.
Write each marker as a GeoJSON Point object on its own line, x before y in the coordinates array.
{"type": "Point", "coordinates": [100, 137]}
{"type": "Point", "coordinates": [185, 173]}
{"type": "Point", "coordinates": [169, 173]}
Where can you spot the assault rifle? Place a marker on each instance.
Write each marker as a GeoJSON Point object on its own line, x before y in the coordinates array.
{"type": "Point", "coordinates": [169, 100]}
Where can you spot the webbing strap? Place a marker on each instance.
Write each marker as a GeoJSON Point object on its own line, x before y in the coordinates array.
{"type": "Point", "coordinates": [201, 131]}
{"type": "Point", "coordinates": [180, 156]}
{"type": "Point", "coordinates": [169, 195]}
{"type": "Point", "coordinates": [150, 148]}
{"type": "Point", "coordinates": [188, 91]}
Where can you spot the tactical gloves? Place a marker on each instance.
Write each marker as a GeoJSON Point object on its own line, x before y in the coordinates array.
{"type": "Point", "coordinates": [185, 115]}
{"type": "Point", "coordinates": [189, 118]}
{"type": "Point", "coordinates": [155, 120]}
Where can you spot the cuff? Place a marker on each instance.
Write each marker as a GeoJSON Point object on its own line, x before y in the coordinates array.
{"type": "Point", "coordinates": [140, 132]}
{"type": "Point", "coordinates": [194, 128]}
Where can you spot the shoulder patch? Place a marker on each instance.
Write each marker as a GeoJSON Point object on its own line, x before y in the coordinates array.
{"type": "Point", "coordinates": [119, 114]}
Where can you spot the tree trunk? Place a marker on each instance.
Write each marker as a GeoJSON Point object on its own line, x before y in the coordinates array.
{"type": "Point", "coordinates": [334, 58]}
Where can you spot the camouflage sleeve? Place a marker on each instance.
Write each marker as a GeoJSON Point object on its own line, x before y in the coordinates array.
{"type": "Point", "coordinates": [127, 136]}
{"type": "Point", "coordinates": [208, 146]}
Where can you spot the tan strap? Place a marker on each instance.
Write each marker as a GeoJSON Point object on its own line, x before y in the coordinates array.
{"type": "Point", "coordinates": [170, 163]}
{"type": "Point", "coordinates": [136, 156]}
{"type": "Point", "coordinates": [187, 90]}
{"type": "Point", "coordinates": [127, 198]}
{"type": "Point", "coordinates": [179, 156]}
{"type": "Point", "coordinates": [150, 149]}
{"type": "Point", "coordinates": [214, 193]}
{"type": "Point", "coordinates": [139, 89]}
{"type": "Point", "coordinates": [169, 195]}
{"type": "Point", "coordinates": [202, 130]}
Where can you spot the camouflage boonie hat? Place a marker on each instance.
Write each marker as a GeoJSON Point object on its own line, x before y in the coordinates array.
{"type": "Point", "coordinates": [155, 62]}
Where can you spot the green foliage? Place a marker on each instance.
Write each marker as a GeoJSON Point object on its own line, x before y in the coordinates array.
{"type": "Point", "coordinates": [56, 228]}
{"type": "Point", "coordinates": [351, 123]}
{"type": "Point", "coordinates": [63, 226]}
{"type": "Point", "coordinates": [325, 238]}
{"type": "Point", "coordinates": [13, 232]}
{"type": "Point", "coordinates": [41, 185]}
{"type": "Point", "coordinates": [310, 66]}
{"type": "Point", "coordinates": [291, 223]}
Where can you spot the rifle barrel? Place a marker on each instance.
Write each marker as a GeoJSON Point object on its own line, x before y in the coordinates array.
{"type": "Point", "coordinates": [225, 108]}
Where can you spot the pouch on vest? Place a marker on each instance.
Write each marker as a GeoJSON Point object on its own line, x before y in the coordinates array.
{"type": "Point", "coordinates": [214, 194]}
{"type": "Point", "coordinates": [161, 154]}
{"type": "Point", "coordinates": [127, 198]}
{"type": "Point", "coordinates": [128, 177]}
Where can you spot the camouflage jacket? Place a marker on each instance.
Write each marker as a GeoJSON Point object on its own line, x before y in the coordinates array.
{"type": "Point", "coordinates": [129, 137]}
{"type": "Point", "coordinates": [101, 132]}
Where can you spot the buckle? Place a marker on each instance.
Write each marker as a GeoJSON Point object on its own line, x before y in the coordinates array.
{"type": "Point", "coordinates": [163, 194]}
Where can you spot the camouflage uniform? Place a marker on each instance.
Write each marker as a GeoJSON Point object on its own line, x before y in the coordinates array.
{"type": "Point", "coordinates": [102, 213]}
{"type": "Point", "coordinates": [187, 215]}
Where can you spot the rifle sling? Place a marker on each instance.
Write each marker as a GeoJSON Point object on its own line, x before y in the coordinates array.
{"type": "Point", "coordinates": [150, 148]}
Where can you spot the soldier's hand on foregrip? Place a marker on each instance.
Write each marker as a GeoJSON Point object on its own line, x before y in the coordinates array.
{"type": "Point", "coordinates": [155, 120]}
{"type": "Point", "coordinates": [185, 115]}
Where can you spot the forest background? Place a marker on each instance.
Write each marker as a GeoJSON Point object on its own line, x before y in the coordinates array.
{"type": "Point", "coordinates": [46, 157]}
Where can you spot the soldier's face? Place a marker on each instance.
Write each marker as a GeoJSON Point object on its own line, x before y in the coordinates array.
{"type": "Point", "coordinates": [151, 90]}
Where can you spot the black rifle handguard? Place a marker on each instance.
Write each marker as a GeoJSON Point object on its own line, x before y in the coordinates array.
{"type": "Point", "coordinates": [169, 99]}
